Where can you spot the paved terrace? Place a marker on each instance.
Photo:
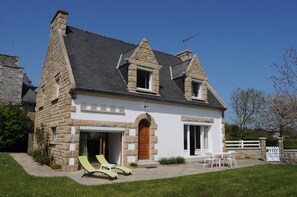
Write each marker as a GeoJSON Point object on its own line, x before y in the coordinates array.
{"type": "Point", "coordinates": [139, 174]}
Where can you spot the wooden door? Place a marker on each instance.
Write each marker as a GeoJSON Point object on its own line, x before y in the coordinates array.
{"type": "Point", "coordinates": [143, 143]}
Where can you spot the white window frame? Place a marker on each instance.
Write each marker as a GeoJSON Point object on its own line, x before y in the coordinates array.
{"type": "Point", "coordinates": [150, 71]}
{"type": "Point", "coordinates": [204, 139]}
{"type": "Point", "coordinates": [199, 91]}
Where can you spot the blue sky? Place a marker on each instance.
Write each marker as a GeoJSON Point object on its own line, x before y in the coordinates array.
{"type": "Point", "coordinates": [238, 40]}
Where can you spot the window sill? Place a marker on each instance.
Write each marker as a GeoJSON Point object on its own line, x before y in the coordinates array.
{"type": "Point", "coordinates": [198, 99]}
{"type": "Point", "coordinates": [52, 143]}
{"type": "Point", "coordinates": [145, 90]}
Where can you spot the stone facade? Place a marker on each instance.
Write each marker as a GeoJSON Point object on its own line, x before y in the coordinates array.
{"type": "Point", "coordinates": [52, 111]}
{"type": "Point", "coordinates": [11, 79]}
{"type": "Point", "coordinates": [143, 56]}
{"type": "Point", "coordinates": [195, 72]}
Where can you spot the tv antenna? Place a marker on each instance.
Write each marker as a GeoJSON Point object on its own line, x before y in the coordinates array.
{"type": "Point", "coordinates": [189, 39]}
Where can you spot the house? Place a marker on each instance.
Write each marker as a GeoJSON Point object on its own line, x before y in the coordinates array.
{"type": "Point", "coordinates": [99, 95]}
{"type": "Point", "coordinates": [15, 86]}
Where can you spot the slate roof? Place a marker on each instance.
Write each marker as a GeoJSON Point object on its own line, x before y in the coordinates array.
{"type": "Point", "coordinates": [179, 69]}
{"type": "Point", "coordinates": [94, 59]}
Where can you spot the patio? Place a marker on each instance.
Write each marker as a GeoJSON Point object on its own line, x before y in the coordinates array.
{"type": "Point", "coordinates": [161, 172]}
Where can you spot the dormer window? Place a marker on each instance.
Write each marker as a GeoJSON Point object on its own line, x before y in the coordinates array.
{"type": "Point", "coordinates": [196, 89]}
{"type": "Point", "coordinates": [144, 78]}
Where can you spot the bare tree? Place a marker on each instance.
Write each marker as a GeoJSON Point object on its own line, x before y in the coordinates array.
{"type": "Point", "coordinates": [282, 105]}
{"type": "Point", "coordinates": [287, 71]}
{"type": "Point", "coordinates": [246, 105]}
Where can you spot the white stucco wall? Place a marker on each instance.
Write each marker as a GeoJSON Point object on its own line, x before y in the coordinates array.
{"type": "Point", "coordinates": [167, 117]}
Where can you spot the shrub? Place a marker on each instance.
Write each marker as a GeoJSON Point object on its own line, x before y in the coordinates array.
{"type": "Point", "coordinates": [290, 143]}
{"type": "Point", "coordinates": [14, 128]}
{"type": "Point", "coordinates": [56, 166]}
{"type": "Point", "coordinates": [180, 160]}
{"type": "Point", "coordinates": [172, 160]}
{"type": "Point", "coordinates": [133, 164]}
{"type": "Point", "coordinates": [43, 159]}
{"type": "Point", "coordinates": [40, 157]}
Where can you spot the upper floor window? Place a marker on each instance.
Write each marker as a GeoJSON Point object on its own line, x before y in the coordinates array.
{"type": "Point", "coordinates": [144, 78]}
{"type": "Point", "coordinates": [58, 81]}
{"type": "Point", "coordinates": [196, 89]}
{"type": "Point", "coordinates": [42, 95]}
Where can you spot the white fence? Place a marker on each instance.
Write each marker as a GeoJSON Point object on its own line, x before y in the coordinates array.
{"type": "Point", "coordinates": [242, 144]}
{"type": "Point", "coordinates": [272, 153]}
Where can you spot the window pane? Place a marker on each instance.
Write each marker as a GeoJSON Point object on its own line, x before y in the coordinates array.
{"type": "Point", "coordinates": [58, 85]}
{"type": "Point", "coordinates": [143, 79]}
{"type": "Point", "coordinates": [185, 137]}
{"type": "Point", "coordinates": [205, 137]}
{"type": "Point", "coordinates": [54, 134]}
{"type": "Point", "coordinates": [198, 144]}
{"type": "Point", "coordinates": [196, 89]}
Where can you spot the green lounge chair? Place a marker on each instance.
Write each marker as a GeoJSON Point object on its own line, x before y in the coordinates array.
{"type": "Point", "coordinates": [105, 164]}
{"type": "Point", "coordinates": [89, 169]}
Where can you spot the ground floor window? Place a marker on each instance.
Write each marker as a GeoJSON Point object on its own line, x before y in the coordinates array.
{"type": "Point", "coordinates": [95, 143]}
{"type": "Point", "coordinates": [196, 140]}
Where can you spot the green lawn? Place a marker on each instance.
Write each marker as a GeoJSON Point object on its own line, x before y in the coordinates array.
{"type": "Point", "coordinates": [263, 180]}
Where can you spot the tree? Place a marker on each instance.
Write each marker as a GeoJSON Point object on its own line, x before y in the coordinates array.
{"type": "Point", "coordinates": [246, 106]}
{"type": "Point", "coordinates": [282, 105]}
{"type": "Point", "coordinates": [14, 128]}
{"type": "Point", "coordinates": [286, 80]}
{"type": "Point", "coordinates": [280, 112]}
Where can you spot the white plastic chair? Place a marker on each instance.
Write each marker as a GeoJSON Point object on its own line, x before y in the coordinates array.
{"type": "Point", "coordinates": [231, 158]}
{"type": "Point", "coordinates": [209, 157]}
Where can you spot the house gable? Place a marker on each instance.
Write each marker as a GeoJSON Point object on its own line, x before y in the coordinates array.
{"type": "Point", "coordinates": [195, 73]}
{"type": "Point", "coordinates": [143, 58]}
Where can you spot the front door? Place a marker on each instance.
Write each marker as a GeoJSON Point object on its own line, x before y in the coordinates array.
{"type": "Point", "coordinates": [143, 143]}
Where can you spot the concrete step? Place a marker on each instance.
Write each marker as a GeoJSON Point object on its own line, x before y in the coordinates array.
{"type": "Point", "coordinates": [147, 164]}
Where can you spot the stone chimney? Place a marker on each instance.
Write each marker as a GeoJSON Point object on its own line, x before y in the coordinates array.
{"type": "Point", "coordinates": [185, 55]}
{"type": "Point", "coordinates": [9, 60]}
{"type": "Point", "coordinates": [59, 21]}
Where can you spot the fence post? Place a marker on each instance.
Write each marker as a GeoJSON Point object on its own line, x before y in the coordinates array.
{"type": "Point", "coordinates": [241, 143]}
{"type": "Point", "coordinates": [263, 148]}
{"type": "Point", "coordinates": [281, 148]}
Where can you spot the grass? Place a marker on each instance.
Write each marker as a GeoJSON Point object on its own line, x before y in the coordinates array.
{"type": "Point", "coordinates": [263, 180]}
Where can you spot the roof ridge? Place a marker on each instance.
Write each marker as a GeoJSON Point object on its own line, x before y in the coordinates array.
{"type": "Point", "coordinates": [101, 35]}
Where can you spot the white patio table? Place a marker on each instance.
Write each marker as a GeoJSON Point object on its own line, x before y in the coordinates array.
{"type": "Point", "coordinates": [220, 156]}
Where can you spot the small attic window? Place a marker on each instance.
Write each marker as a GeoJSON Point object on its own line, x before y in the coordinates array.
{"type": "Point", "coordinates": [144, 78]}
{"type": "Point", "coordinates": [196, 89]}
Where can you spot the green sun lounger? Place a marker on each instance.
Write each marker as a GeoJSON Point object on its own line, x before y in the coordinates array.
{"type": "Point", "coordinates": [89, 169]}
{"type": "Point", "coordinates": [106, 164]}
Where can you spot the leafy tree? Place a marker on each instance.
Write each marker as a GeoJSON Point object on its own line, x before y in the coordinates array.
{"type": "Point", "coordinates": [246, 105]}
{"type": "Point", "coordinates": [14, 128]}
{"type": "Point", "coordinates": [280, 113]}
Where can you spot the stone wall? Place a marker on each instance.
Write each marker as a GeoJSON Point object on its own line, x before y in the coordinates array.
{"type": "Point", "coordinates": [11, 79]}
{"type": "Point", "coordinates": [247, 153]}
{"type": "Point", "coordinates": [52, 111]}
{"type": "Point", "coordinates": [290, 156]}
